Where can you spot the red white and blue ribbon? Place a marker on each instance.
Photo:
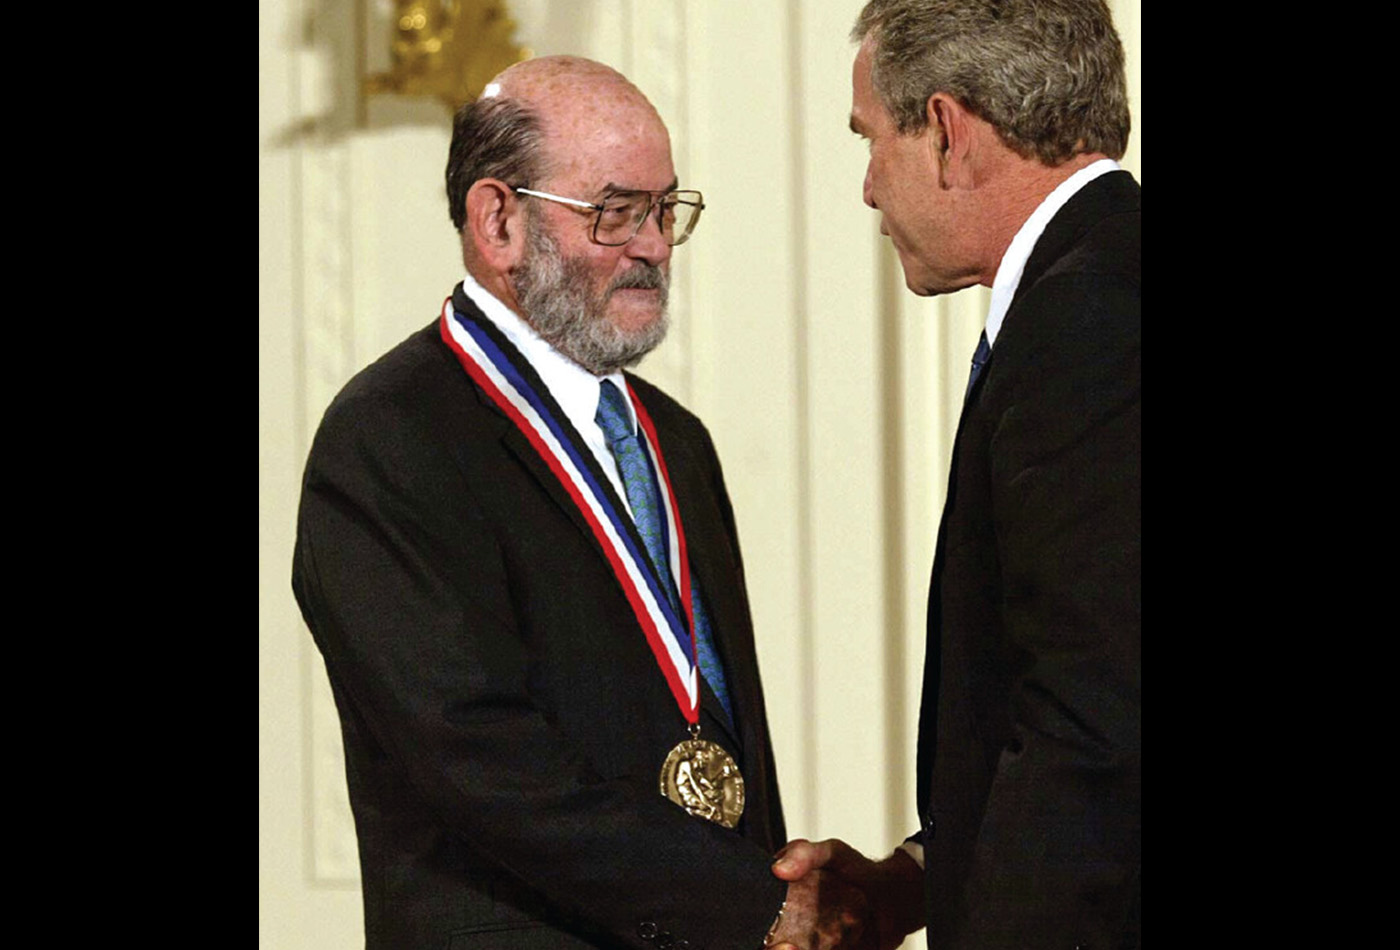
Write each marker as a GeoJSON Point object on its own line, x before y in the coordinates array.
{"type": "Point", "coordinates": [493, 369]}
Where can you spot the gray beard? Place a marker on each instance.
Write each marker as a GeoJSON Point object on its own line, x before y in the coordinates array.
{"type": "Point", "coordinates": [554, 293]}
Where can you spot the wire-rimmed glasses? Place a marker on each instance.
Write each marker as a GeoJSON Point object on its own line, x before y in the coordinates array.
{"type": "Point", "coordinates": [620, 215]}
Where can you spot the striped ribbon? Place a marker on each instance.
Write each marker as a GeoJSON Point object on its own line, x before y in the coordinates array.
{"type": "Point", "coordinates": [497, 368]}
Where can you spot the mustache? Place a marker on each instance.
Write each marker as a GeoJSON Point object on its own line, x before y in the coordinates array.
{"type": "Point", "coordinates": [642, 276]}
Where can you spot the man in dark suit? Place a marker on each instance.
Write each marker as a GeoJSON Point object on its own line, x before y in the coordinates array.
{"type": "Point", "coordinates": [993, 129]}
{"type": "Point", "coordinates": [521, 567]}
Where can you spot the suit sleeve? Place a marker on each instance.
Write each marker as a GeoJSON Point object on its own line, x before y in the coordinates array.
{"type": "Point", "coordinates": [1061, 839]}
{"type": "Point", "coordinates": [409, 602]}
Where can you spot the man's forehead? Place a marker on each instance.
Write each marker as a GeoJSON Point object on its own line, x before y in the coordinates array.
{"type": "Point", "coordinates": [598, 157]}
{"type": "Point", "coordinates": [594, 181]}
{"type": "Point", "coordinates": [603, 120]}
{"type": "Point", "coordinates": [866, 108]}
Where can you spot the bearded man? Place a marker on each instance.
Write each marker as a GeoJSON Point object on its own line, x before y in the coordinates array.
{"type": "Point", "coordinates": [521, 567]}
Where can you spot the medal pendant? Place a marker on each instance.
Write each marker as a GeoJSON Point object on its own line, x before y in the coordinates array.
{"type": "Point", "coordinates": [703, 779]}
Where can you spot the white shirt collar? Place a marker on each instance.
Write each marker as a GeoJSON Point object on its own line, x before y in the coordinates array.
{"type": "Point", "coordinates": [1013, 262]}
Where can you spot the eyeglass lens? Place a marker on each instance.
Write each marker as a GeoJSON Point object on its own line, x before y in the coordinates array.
{"type": "Point", "coordinates": [623, 213]}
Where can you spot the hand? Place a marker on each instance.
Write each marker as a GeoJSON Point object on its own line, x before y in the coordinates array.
{"type": "Point", "coordinates": [823, 912]}
{"type": "Point", "coordinates": [893, 888]}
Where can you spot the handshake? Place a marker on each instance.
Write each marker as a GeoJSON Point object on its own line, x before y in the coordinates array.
{"type": "Point", "coordinates": [837, 898]}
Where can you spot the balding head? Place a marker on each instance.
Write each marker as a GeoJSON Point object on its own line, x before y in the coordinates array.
{"type": "Point", "coordinates": [565, 85]}
{"type": "Point", "coordinates": [533, 119]}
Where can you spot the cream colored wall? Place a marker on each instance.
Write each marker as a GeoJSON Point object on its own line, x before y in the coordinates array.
{"type": "Point", "coordinates": [831, 392]}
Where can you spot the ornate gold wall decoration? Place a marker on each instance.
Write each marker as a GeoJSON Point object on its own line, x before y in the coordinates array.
{"type": "Point", "coordinates": [447, 48]}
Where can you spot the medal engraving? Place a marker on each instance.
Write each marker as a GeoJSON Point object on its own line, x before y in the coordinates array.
{"type": "Point", "coordinates": [702, 778]}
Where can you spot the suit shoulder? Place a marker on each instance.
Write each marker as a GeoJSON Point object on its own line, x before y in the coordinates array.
{"type": "Point", "coordinates": [1092, 288]}
{"type": "Point", "coordinates": [1111, 249]}
{"type": "Point", "coordinates": [412, 373]}
{"type": "Point", "coordinates": [406, 368]}
{"type": "Point", "coordinates": [1078, 324]}
{"type": "Point", "coordinates": [402, 398]}
{"type": "Point", "coordinates": [1099, 231]}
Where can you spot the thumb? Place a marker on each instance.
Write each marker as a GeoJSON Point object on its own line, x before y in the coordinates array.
{"type": "Point", "coordinates": [800, 857]}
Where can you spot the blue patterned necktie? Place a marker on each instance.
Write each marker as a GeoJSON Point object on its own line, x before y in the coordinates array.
{"type": "Point", "coordinates": [979, 359]}
{"type": "Point", "coordinates": [643, 494]}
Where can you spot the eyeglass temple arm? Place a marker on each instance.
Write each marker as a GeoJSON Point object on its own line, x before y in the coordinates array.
{"type": "Point", "coordinates": [568, 201]}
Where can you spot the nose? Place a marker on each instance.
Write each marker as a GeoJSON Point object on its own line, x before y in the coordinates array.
{"type": "Point", "coordinates": [649, 244]}
{"type": "Point", "coordinates": [868, 191]}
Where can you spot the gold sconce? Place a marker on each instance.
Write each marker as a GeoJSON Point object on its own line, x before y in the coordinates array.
{"type": "Point", "coordinates": [447, 48]}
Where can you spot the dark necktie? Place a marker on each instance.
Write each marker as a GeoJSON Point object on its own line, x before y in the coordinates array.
{"type": "Point", "coordinates": [979, 359]}
{"type": "Point", "coordinates": [643, 494]}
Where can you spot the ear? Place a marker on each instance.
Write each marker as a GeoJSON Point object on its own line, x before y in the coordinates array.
{"type": "Point", "coordinates": [951, 140]}
{"type": "Point", "coordinates": [495, 224]}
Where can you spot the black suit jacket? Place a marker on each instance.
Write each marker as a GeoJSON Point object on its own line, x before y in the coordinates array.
{"type": "Point", "coordinates": [1029, 756]}
{"type": "Point", "coordinates": [504, 719]}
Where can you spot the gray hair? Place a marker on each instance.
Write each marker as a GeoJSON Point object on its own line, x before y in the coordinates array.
{"type": "Point", "coordinates": [1047, 74]}
{"type": "Point", "coordinates": [492, 137]}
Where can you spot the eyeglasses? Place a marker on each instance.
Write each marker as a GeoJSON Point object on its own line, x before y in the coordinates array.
{"type": "Point", "coordinates": [621, 214]}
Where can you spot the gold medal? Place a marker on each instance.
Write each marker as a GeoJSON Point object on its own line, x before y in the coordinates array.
{"type": "Point", "coordinates": [701, 777]}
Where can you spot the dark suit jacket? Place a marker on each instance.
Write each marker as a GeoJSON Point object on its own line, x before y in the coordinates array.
{"type": "Point", "coordinates": [504, 719]}
{"type": "Point", "coordinates": [1030, 729]}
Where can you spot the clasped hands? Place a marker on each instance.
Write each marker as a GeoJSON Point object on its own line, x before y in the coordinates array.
{"type": "Point", "coordinates": [837, 898]}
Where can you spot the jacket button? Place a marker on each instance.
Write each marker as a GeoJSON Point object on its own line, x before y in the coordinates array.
{"type": "Point", "coordinates": [664, 940]}
{"type": "Point", "coordinates": [646, 930]}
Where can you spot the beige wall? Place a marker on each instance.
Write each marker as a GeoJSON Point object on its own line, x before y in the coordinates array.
{"type": "Point", "coordinates": [830, 391]}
